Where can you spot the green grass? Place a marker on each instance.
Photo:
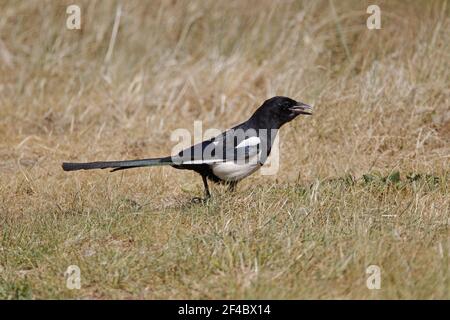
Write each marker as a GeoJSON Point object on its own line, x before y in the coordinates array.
{"type": "Point", "coordinates": [277, 241]}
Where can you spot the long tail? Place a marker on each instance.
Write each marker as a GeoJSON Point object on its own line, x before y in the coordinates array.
{"type": "Point", "coordinates": [117, 165]}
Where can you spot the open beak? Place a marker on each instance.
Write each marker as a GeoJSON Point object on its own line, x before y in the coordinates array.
{"type": "Point", "coordinates": [301, 108]}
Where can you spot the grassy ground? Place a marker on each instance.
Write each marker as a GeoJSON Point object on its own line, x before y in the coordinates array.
{"type": "Point", "coordinates": [366, 184]}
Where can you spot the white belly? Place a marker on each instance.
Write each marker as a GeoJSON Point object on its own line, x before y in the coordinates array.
{"type": "Point", "coordinates": [232, 171]}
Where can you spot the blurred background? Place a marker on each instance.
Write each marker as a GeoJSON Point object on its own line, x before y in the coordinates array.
{"type": "Point", "coordinates": [381, 96]}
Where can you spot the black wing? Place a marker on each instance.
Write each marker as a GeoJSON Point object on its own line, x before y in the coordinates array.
{"type": "Point", "coordinates": [231, 145]}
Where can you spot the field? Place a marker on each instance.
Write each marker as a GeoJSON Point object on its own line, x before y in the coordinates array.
{"type": "Point", "coordinates": [366, 183]}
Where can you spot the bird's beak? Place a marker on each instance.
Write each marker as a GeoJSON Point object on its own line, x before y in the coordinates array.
{"type": "Point", "coordinates": [301, 108]}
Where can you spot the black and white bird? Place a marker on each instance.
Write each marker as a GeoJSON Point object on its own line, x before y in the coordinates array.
{"type": "Point", "coordinates": [228, 157]}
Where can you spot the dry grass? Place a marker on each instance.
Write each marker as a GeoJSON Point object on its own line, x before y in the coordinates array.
{"type": "Point", "coordinates": [382, 105]}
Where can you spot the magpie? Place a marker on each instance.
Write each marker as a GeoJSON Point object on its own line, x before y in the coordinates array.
{"type": "Point", "coordinates": [228, 157]}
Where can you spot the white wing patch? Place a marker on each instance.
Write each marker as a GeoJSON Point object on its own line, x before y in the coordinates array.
{"type": "Point", "coordinates": [233, 171]}
{"type": "Point", "coordinates": [230, 170]}
{"type": "Point", "coordinates": [249, 142]}
{"type": "Point", "coordinates": [202, 161]}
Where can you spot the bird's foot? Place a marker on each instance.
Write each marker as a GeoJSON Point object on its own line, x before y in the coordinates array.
{"type": "Point", "coordinates": [198, 200]}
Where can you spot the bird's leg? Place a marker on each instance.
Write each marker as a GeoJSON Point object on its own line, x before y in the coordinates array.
{"type": "Point", "coordinates": [205, 184]}
{"type": "Point", "coordinates": [207, 193]}
{"type": "Point", "coordinates": [232, 186]}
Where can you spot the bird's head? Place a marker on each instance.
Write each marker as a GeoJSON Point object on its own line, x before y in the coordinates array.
{"type": "Point", "coordinates": [280, 110]}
